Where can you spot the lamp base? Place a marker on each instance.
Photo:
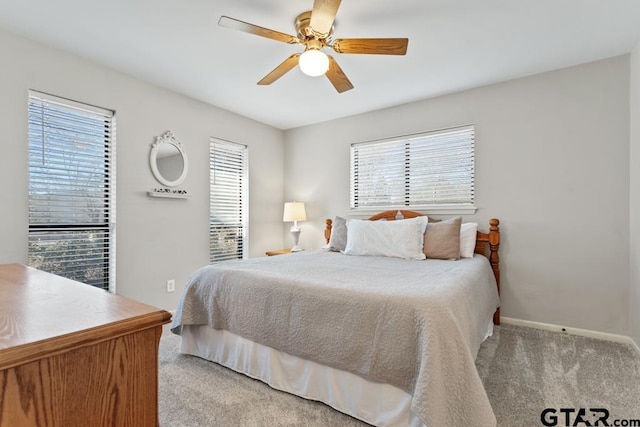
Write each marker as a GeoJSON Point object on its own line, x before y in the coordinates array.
{"type": "Point", "coordinates": [295, 235]}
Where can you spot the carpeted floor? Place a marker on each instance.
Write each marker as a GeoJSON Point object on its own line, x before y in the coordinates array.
{"type": "Point", "coordinates": [524, 371]}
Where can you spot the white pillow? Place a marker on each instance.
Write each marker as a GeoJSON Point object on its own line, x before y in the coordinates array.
{"type": "Point", "coordinates": [400, 239]}
{"type": "Point", "coordinates": [468, 232]}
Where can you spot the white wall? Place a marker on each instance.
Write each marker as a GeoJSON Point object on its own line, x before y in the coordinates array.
{"type": "Point", "coordinates": [635, 194]}
{"type": "Point", "coordinates": [157, 239]}
{"type": "Point", "coordinates": [552, 163]}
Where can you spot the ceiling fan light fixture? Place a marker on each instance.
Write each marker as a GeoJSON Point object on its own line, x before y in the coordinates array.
{"type": "Point", "coordinates": [314, 62]}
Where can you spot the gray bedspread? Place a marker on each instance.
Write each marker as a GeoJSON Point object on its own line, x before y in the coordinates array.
{"type": "Point", "coordinates": [414, 324]}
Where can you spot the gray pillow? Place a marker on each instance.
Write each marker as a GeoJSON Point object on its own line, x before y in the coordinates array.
{"type": "Point", "coordinates": [338, 239]}
{"type": "Point", "coordinates": [442, 239]}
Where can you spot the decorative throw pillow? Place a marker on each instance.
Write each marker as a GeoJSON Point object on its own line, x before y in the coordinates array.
{"type": "Point", "coordinates": [442, 239]}
{"type": "Point", "coordinates": [400, 239]}
{"type": "Point", "coordinates": [468, 232]}
{"type": "Point", "coordinates": [338, 239]}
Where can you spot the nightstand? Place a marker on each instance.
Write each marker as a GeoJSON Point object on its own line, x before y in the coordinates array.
{"type": "Point", "coordinates": [278, 252]}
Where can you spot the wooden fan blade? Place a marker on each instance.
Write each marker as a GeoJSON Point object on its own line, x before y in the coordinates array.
{"type": "Point", "coordinates": [280, 70]}
{"type": "Point", "coordinates": [236, 24]}
{"type": "Point", "coordinates": [372, 46]}
{"type": "Point", "coordinates": [337, 77]}
{"type": "Point", "coordinates": [322, 16]}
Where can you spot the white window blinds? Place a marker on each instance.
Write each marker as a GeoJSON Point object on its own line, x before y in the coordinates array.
{"type": "Point", "coordinates": [71, 189]}
{"type": "Point", "coordinates": [227, 200]}
{"type": "Point", "coordinates": [429, 169]}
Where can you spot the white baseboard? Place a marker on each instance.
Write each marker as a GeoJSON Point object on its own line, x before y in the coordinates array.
{"type": "Point", "coordinates": [573, 331]}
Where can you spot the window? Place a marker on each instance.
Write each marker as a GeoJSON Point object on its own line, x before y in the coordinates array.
{"type": "Point", "coordinates": [434, 169]}
{"type": "Point", "coordinates": [71, 189]}
{"type": "Point", "coordinates": [228, 174]}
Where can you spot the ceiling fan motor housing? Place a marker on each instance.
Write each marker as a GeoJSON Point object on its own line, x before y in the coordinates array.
{"type": "Point", "coordinates": [304, 30]}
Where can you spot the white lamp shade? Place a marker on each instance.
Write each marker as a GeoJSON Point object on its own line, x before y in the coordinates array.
{"type": "Point", "coordinates": [294, 211]}
{"type": "Point", "coordinates": [313, 62]}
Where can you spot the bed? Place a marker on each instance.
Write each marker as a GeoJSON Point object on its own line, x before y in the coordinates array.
{"type": "Point", "coordinates": [387, 340]}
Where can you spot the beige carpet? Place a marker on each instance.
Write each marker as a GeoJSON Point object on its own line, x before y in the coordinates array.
{"type": "Point", "coordinates": [524, 371]}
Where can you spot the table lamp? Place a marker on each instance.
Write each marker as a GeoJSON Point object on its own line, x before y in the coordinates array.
{"type": "Point", "coordinates": [294, 211]}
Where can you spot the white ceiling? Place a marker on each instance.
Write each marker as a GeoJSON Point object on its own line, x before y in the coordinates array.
{"type": "Point", "coordinates": [453, 45]}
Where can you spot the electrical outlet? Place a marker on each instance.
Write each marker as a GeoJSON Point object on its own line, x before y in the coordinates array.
{"type": "Point", "coordinates": [171, 285]}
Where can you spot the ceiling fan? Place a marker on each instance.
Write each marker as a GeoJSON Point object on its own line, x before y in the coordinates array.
{"type": "Point", "coordinates": [314, 30]}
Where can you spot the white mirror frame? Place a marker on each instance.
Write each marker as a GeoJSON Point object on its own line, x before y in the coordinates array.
{"type": "Point", "coordinates": [167, 138]}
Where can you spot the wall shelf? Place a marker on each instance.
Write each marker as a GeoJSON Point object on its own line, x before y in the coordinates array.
{"type": "Point", "coordinates": [168, 195]}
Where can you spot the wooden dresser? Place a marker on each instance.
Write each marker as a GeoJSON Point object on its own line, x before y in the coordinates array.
{"type": "Point", "coordinates": [74, 355]}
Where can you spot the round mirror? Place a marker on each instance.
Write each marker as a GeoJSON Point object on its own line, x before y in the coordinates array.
{"type": "Point", "coordinates": [168, 160]}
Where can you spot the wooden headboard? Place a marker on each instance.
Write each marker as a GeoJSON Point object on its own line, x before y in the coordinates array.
{"type": "Point", "coordinates": [487, 244]}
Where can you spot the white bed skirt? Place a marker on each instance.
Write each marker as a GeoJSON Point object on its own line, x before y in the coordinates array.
{"type": "Point", "coordinates": [375, 403]}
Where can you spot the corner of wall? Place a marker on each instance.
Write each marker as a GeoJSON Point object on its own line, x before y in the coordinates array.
{"type": "Point", "coordinates": [634, 194]}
